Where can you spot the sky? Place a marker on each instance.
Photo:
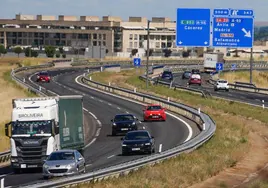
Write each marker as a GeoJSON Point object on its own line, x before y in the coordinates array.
{"type": "Point", "coordinates": [124, 8]}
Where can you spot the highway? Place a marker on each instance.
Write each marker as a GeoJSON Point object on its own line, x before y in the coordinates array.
{"type": "Point", "coordinates": [105, 150]}
{"type": "Point", "coordinates": [241, 96]}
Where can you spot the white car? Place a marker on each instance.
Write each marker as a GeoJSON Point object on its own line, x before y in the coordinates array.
{"type": "Point", "coordinates": [221, 85]}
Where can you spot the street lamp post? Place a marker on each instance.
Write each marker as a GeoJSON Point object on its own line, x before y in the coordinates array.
{"type": "Point", "coordinates": [147, 53]}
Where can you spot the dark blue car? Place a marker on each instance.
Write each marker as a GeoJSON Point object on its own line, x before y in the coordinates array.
{"type": "Point", "coordinates": [167, 75]}
{"type": "Point", "coordinates": [123, 123]}
{"type": "Point", "coordinates": [138, 142]}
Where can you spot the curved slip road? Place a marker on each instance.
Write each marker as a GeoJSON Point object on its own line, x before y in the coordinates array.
{"type": "Point", "coordinates": [105, 150]}
{"type": "Point", "coordinates": [241, 96]}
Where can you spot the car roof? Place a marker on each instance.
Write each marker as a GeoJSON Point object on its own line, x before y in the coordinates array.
{"type": "Point", "coordinates": [222, 80]}
{"type": "Point", "coordinates": [124, 115]}
{"type": "Point", "coordinates": [153, 105]}
{"type": "Point", "coordinates": [64, 150]}
{"type": "Point", "coordinates": [138, 131]}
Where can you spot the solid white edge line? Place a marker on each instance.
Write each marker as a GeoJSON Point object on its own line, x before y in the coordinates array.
{"type": "Point", "coordinates": [92, 141]}
{"type": "Point", "coordinates": [92, 115]}
{"type": "Point", "coordinates": [187, 125]}
{"type": "Point", "coordinates": [98, 121]}
{"type": "Point", "coordinates": [98, 132]}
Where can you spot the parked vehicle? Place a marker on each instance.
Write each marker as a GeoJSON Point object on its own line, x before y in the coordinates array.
{"type": "Point", "coordinates": [138, 142]}
{"type": "Point", "coordinates": [64, 163]}
{"type": "Point", "coordinates": [122, 123]}
{"type": "Point", "coordinates": [43, 77]}
{"type": "Point", "coordinates": [196, 71]}
{"type": "Point", "coordinates": [195, 79]}
{"type": "Point", "coordinates": [154, 112]}
{"type": "Point", "coordinates": [221, 85]}
{"type": "Point", "coordinates": [42, 125]}
{"type": "Point", "coordinates": [186, 74]}
{"type": "Point", "coordinates": [167, 75]}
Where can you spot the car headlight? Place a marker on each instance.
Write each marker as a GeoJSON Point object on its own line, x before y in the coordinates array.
{"type": "Point", "coordinates": [14, 160]}
{"type": "Point", "coordinates": [148, 144]}
{"type": "Point", "coordinates": [133, 123]}
{"type": "Point", "coordinates": [124, 145]}
{"type": "Point", "coordinates": [45, 166]}
{"type": "Point", "coordinates": [151, 114]}
{"type": "Point", "coordinates": [159, 114]}
{"type": "Point", "coordinates": [114, 124]}
{"type": "Point", "coordinates": [70, 165]}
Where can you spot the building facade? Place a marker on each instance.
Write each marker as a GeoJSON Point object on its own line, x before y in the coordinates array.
{"type": "Point", "coordinates": [116, 35]}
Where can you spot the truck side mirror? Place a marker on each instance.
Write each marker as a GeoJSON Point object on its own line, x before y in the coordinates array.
{"type": "Point", "coordinates": [56, 130]}
{"type": "Point", "coordinates": [7, 129]}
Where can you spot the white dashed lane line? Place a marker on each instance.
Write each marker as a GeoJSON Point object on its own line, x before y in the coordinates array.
{"type": "Point", "coordinates": [109, 104]}
{"type": "Point", "coordinates": [110, 156]}
{"type": "Point", "coordinates": [118, 108]}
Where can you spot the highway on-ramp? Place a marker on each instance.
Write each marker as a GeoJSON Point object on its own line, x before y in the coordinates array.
{"type": "Point", "coordinates": [105, 150]}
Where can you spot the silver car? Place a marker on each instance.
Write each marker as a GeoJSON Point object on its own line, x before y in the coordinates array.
{"type": "Point", "coordinates": [63, 163]}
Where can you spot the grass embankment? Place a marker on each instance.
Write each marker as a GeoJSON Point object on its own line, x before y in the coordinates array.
{"type": "Point", "coordinates": [259, 78]}
{"type": "Point", "coordinates": [234, 122]}
{"type": "Point", "coordinates": [10, 90]}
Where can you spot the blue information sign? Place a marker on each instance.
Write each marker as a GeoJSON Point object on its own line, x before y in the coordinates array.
{"type": "Point", "coordinates": [233, 30]}
{"type": "Point", "coordinates": [233, 67]}
{"type": "Point", "coordinates": [193, 27]}
{"type": "Point", "coordinates": [137, 62]}
{"type": "Point", "coordinates": [219, 66]}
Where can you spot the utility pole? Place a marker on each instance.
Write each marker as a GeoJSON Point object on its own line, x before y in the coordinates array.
{"type": "Point", "coordinates": [147, 53]}
{"type": "Point", "coordinates": [251, 64]}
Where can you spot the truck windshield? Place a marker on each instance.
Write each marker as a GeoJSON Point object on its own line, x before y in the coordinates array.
{"type": "Point", "coordinates": [31, 127]}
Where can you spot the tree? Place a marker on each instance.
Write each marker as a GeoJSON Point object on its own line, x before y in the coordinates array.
{"type": "Point", "coordinates": [185, 54]}
{"type": "Point", "coordinates": [63, 55]}
{"type": "Point", "coordinates": [167, 52]}
{"type": "Point", "coordinates": [2, 49]}
{"type": "Point", "coordinates": [61, 50]}
{"type": "Point", "coordinates": [57, 54]}
{"type": "Point", "coordinates": [134, 52]}
{"type": "Point", "coordinates": [150, 52]}
{"type": "Point", "coordinates": [50, 51]}
{"type": "Point", "coordinates": [18, 50]}
{"type": "Point", "coordinates": [34, 53]}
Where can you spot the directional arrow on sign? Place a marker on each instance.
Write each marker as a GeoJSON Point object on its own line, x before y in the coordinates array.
{"type": "Point", "coordinates": [206, 42]}
{"type": "Point", "coordinates": [247, 33]}
{"type": "Point", "coordinates": [180, 42]}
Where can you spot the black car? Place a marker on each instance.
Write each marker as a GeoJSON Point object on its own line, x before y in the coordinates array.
{"type": "Point", "coordinates": [186, 75]}
{"type": "Point", "coordinates": [138, 142]}
{"type": "Point", "coordinates": [167, 75]}
{"type": "Point", "coordinates": [195, 71]}
{"type": "Point", "coordinates": [122, 123]}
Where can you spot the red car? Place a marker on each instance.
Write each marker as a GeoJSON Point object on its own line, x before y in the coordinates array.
{"type": "Point", "coordinates": [195, 79]}
{"type": "Point", "coordinates": [43, 77]}
{"type": "Point", "coordinates": [154, 112]}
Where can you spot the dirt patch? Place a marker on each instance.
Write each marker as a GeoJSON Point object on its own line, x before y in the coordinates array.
{"type": "Point", "coordinates": [253, 166]}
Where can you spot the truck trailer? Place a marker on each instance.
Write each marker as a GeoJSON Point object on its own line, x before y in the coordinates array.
{"type": "Point", "coordinates": [42, 125]}
{"type": "Point", "coordinates": [210, 61]}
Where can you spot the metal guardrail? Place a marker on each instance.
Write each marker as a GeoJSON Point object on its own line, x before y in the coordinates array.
{"type": "Point", "coordinates": [207, 124]}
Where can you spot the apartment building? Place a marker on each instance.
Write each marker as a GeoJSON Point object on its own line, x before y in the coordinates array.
{"type": "Point", "coordinates": [112, 32]}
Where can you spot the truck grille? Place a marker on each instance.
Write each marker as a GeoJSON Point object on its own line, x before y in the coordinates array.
{"type": "Point", "coordinates": [58, 170]}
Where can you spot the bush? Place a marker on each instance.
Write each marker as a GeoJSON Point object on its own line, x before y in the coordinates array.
{"type": "Point", "coordinates": [58, 55]}
{"type": "Point", "coordinates": [63, 55]}
{"type": "Point", "coordinates": [134, 52]}
{"type": "Point", "coordinates": [167, 52]}
{"type": "Point", "coordinates": [185, 54]}
{"type": "Point", "coordinates": [50, 51]}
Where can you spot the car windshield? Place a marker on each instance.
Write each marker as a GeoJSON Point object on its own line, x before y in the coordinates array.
{"type": "Point", "coordinates": [123, 118]}
{"type": "Point", "coordinates": [152, 108]}
{"type": "Point", "coordinates": [31, 127]}
{"type": "Point", "coordinates": [187, 73]}
{"type": "Point", "coordinates": [58, 156]}
{"type": "Point", "coordinates": [167, 74]}
{"type": "Point", "coordinates": [136, 136]}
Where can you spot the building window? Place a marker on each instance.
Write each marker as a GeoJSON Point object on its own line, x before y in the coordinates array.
{"type": "Point", "coordinates": [130, 44]}
{"type": "Point", "coordinates": [151, 37]}
{"type": "Point", "coordinates": [169, 38]}
{"type": "Point", "coordinates": [135, 44]}
{"type": "Point", "coordinates": [99, 43]}
{"type": "Point", "coordinates": [94, 43]}
{"type": "Point", "coordinates": [104, 43]}
{"type": "Point", "coordinates": [1, 41]}
{"type": "Point", "coordinates": [104, 36]}
{"type": "Point", "coordinates": [89, 36]}
{"type": "Point", "coordinates": [1, 34]}
{"type": "Point", "coordinates": [100, 36]}
{"type": "Point", "coordinates": [163, 45]}
{"type": "Point", "coordinates": [169, 44]}
{"type": "Point", "coordinates": [157, 37]}
{"type": "Point", "coordinates": [135, 37]}
{"type": "Point", "coordinates": [163, 37]}
{"type": "Point", "coordinates": [157, 45]}
{"type": "Point", "coordinates": [94, 36]}
{"type": "Point", "coordinates": [130, 37]}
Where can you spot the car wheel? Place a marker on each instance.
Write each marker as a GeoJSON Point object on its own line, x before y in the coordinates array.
{"type": "Point", "coordinates": [84, 171]}
{"type": "Point", "coordinates": [199, 84]}
{"type": "Point", "coordinates": [124, 153]}
{"type": "Point", "coordinates": [154, 150]}
{"type": "Point", "coordinates": [45, 177]}
{"type": "Point", "coordinates": [17, 171]}
{"type": "Point", "coordinates": [113, 133]}
{"type": "Point", "coordinates": [227, 89]}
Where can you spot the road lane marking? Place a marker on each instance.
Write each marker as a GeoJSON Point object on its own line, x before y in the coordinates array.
{"type": "Point", "coordinates": [110, 156]}
{"type": "Point", "coordinates": [98, 121]}
{"type": "Point", "coordinates": [98, 132]}
{"type": "Point", "coordinates": [92, 141]}
{"type": "Point", "coordinates": [118, 108]}
{"type": "Point", "coordinates": [109, 104]}
{"type": "Point", "coordinates": [88, 165]}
